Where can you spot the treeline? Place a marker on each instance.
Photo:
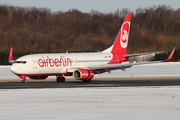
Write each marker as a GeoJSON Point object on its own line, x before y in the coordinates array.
{"type": "Point", "coordinates": [38, 30]}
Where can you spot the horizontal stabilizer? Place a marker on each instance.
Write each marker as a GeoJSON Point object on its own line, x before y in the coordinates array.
{"type": "Point", "coordinates": [140, 54]}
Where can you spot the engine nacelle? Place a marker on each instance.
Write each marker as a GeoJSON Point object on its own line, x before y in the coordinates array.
{"type": "Point", "coordinates": [83, 74]}
{"type": "Point", "coordinates": [38, 77]}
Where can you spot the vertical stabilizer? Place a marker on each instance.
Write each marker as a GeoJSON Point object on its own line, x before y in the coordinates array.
{"type": "Point", "coordinates": [10, 59]}
{"type": "Point", "coordinates": [121, 41]}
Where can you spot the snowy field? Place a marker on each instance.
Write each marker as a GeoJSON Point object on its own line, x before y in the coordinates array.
{"type": "Point", "coordinates": [122, 103]}
{"type": "Point", "coordinates": [119, 103]}
{"type": "Point", "coordinates": [170, 69]}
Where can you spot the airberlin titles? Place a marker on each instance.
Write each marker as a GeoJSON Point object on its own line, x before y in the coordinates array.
{"type": "Point", "coordinates": [54, 62]}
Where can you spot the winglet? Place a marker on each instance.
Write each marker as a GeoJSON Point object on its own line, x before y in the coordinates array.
{"type": "Point", "coordinates": [170, 56]}
{"type": "Point", "coordinates": [10, 59]}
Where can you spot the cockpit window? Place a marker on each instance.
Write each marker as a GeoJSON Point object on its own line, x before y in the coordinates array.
{"type": "Point", "coordinates": [23, 62]}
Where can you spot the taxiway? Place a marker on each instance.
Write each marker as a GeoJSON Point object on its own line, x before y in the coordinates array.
{"type": "Point", "coordinates": [16, 84]}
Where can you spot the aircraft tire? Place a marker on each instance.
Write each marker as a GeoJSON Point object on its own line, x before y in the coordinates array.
{"type": "Point", "coordinates": [24, 81]}
{"type": "Point", "coordinates": [86, 81]}
{"type": "Point", "coordinates": [60, 79]}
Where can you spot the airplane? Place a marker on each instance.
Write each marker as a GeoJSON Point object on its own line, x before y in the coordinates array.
{"type": "Point", "coordinates": [82, 66]}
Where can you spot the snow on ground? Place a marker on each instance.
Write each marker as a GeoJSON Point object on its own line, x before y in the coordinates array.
{"type": "Point", "coordinates": [122, 103]}
{"type": "Point", "coordinates": [169, 69]}
{"type": "Point", "coordinates": [5, 73]}
{"type": "Point", "coordinates": [125, 103]}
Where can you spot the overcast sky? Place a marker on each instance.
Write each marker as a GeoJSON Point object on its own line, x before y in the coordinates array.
{"type": "Point", "coordinates": [104, 6]}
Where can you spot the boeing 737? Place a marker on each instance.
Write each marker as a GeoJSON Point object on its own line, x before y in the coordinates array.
{"type": "Point", "coordinates": [82, 66]}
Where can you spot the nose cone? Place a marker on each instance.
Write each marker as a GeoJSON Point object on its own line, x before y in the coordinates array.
{"type": "Point", "coordinates": [13, 68]}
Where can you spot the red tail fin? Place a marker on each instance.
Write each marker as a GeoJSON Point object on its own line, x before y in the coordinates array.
{"type": "Point", "coordinates": [10, 59]}
{"type": "Point", "coordinates": [121, 41]}
{"type": "Point", "coordinates": [170, 56]}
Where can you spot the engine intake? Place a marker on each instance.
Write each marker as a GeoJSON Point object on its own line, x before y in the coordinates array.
{"type": "Point", "coordinates": [83, 74]}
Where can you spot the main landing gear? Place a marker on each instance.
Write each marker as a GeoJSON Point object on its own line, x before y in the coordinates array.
{"type": "Point", "coordinates": [86, 81]}
{"type": "Point", "coordinates": [60, 79]}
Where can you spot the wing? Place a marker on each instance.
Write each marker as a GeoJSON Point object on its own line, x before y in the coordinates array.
{"type": "Point", "coordinates": [139, 54]}
{"type": "Point", "coordinates": [110, 67]}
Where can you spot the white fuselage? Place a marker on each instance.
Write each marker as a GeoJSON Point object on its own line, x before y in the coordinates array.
{"type": "Point", "coordinates": [57, 63]}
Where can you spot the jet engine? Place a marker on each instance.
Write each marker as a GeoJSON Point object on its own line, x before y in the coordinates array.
{"type": "Point", "coordinates": [83, 74]}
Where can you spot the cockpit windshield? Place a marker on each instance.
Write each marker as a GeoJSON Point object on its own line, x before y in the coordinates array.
{"type": "Point", "coordinates": [23, 62]}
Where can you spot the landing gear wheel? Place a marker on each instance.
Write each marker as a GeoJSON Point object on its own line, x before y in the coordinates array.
{"type": "Point", "coordinates": [24, 81]}
{"type": "Point", "coordinates": [86, 81]}
{"type": "Point", "coordinates": [60, 79]}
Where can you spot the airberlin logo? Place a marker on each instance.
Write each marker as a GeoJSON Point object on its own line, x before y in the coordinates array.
{"type": "Point", "coordinates": [54, 62]}
{"type": "Point", "coordinates": [124, 34]}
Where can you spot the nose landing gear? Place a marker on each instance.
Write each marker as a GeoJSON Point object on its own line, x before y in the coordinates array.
{"type": "Point", "coordinates": [23, 77]}
{"type": "Point", "coordinates": [24, 81]}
